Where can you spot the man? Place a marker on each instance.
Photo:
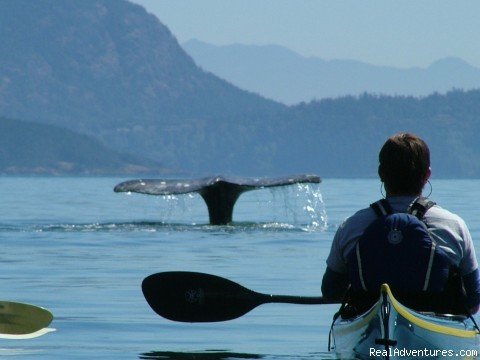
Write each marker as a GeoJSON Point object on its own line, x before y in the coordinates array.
{"type": "Point", "coordinates": [404, 169]}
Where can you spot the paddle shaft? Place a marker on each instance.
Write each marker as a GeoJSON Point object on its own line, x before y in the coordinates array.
{"type": "Point", "coordinates": [300, 300]}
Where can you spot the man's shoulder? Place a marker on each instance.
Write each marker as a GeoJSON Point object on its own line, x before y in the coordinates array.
{"type": "Point", "coordinates": [440, 213]}
{"type": "Point", "coordinates": [360, 219]}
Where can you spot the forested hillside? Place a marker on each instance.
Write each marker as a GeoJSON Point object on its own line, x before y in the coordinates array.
{"type": "Point", "coordinates": [35, 149]}
{"type": "Point", "coordinates": [345, 134]}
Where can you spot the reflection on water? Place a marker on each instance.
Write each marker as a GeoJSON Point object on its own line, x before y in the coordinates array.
{"type": "Point", "coordinates": [204, 355]}
{"type": "Point", "coordinates": [227, 355]}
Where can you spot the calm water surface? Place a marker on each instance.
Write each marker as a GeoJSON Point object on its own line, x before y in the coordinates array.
{"type": "Point", "coordinates": [75, 247]}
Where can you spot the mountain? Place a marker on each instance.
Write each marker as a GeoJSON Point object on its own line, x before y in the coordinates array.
{"type": "Point", "coordinates": [101, 85]}
{"type": "Point", "coordinates": [30, 148]}
{"type": "Point", "coordinates": [285, 76]}
{"type": "Point", "coordinates": [108, 69]}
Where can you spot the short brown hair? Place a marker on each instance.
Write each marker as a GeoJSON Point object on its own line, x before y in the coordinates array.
{"type": "Point", "coordinates": [404, 163]}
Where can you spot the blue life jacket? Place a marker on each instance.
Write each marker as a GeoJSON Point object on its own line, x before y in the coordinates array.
{"type": "Point", "coordinates": [397, 249]}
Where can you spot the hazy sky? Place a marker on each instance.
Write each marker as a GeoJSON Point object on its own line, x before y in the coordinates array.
{"type": "Point", "coordinates": [400, 33]}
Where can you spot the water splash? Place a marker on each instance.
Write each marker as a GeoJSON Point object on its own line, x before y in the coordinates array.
{"type": "Point", "coordinates": [303, 205]}
{"type": "Point", "coordinates": [315, 207]}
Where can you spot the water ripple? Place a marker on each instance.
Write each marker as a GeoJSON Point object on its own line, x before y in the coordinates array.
{"type": "Point", "coordinates": [153, 226]}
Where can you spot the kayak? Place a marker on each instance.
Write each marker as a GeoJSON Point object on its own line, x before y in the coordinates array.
{"type": "Point", "coordinates": [390, 330]}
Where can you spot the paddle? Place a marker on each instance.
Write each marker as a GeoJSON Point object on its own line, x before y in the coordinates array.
{"type": "Point", "coordinates": [21, 319]}
{"type": "Point", "coordinates": [196, 297]}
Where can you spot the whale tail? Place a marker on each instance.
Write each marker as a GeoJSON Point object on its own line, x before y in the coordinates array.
{"type": "Point", "coordinates": [219, 193]}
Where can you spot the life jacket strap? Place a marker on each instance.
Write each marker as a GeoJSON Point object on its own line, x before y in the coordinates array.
{"type": "Point", "coordinates": [420, 206]}
{"type": "Point", "coordinates": [360, 268]}
{"type": "Point", "coordinates": [382, 207]}
{"type": "Point", "coordinates": [417, 208]}
{"type": "Point", "coordinates": [429, 267]}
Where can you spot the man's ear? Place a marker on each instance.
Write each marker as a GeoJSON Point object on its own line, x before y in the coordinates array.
{"type": "Point", "coordinates": [380, 173]}
{"type": "Point", "coordinates": [428, 174]}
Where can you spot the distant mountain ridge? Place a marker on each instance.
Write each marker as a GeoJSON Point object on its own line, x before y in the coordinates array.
{"type": "Point", "coordinates": [285, 76]}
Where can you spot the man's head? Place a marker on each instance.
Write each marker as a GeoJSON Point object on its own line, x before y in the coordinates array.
{"type": "Point", "coordinates": [404, 164]}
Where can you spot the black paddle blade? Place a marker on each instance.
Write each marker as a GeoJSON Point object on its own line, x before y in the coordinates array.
{"type": "Point", "coordinates": [196, 297]}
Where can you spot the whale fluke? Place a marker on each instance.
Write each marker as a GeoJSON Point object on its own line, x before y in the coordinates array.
{"type": "Point", "coordinates": [219, 193]}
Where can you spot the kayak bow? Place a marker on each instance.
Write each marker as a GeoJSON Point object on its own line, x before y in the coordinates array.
{"type": "Point", "coordinates": [390, 330]}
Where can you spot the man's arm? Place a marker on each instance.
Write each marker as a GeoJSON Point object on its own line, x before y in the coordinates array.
{"type": "Point", "coordinates": [334, 285]}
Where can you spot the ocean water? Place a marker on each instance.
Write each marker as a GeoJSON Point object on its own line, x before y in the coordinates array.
{"type": "Point", "coordinates": [74, 246]}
